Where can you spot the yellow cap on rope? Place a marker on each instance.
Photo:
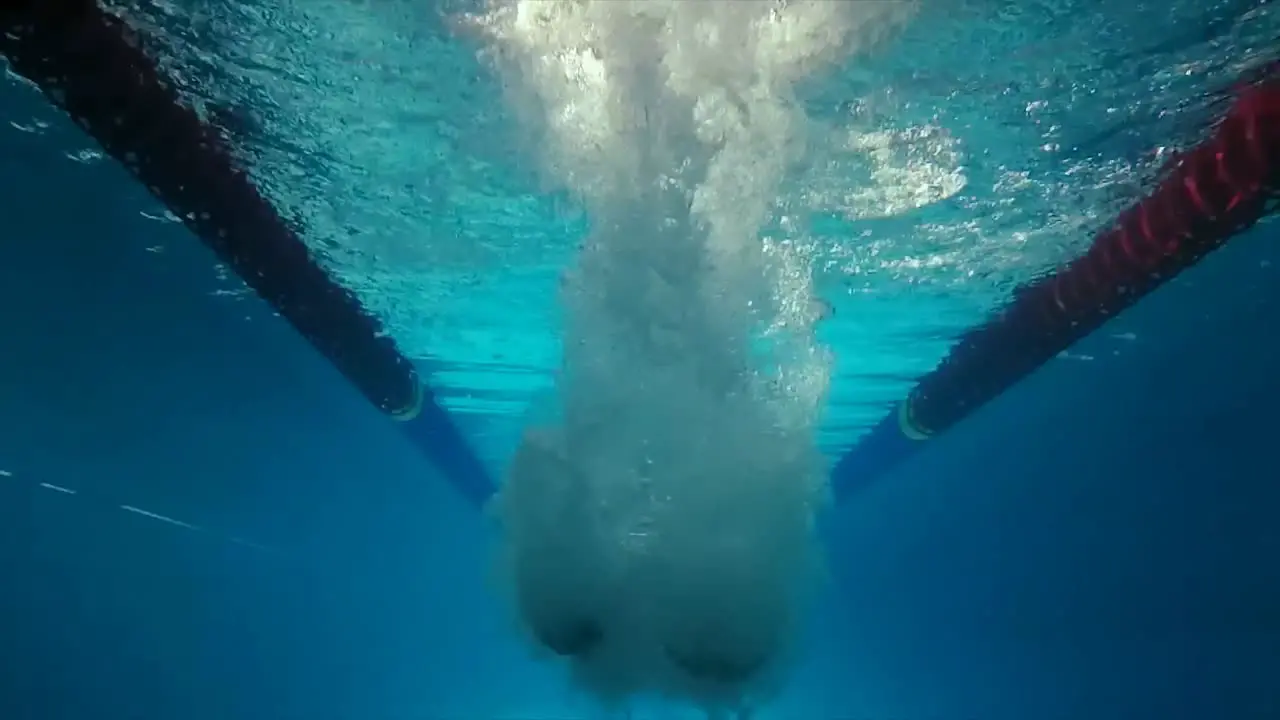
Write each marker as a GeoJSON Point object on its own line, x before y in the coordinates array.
{"type": "Point", "coordinates": [906, 421]}
{"type": "Point", "coordinates": [414, 407]}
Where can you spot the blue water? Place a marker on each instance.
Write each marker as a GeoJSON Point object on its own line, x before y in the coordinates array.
{"type": "Point", "coordinates": [1099, 542]}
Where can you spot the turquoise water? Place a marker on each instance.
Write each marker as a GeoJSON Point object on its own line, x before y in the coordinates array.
{"type": "Point", "coordinates": [1027, 126]}
{"type": "Point", "coordinates": [150, 380]}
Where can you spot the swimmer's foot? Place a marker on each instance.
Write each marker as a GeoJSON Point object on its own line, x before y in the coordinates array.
{"type": "Point", "coordinates": [714, 667]}
{"type": "Point", "coordinates": [569, 639]}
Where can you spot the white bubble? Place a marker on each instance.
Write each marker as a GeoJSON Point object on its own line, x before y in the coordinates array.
{"type": "Point", "coordinates": [658, 530]}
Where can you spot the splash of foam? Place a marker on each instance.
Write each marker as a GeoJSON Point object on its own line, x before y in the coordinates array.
{"type": "Point", "coordinates": [659, 531]}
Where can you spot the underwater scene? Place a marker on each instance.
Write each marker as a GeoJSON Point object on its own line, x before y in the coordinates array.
{"type": "Point", "coordinates": [639, 359]}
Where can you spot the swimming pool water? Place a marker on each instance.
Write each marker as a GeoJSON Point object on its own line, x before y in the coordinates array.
{"type": "Point", "coordinates": [980, 146]}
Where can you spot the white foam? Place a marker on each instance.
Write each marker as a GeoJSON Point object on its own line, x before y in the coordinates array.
{"type": "Point", "coordinates": [658, 525]}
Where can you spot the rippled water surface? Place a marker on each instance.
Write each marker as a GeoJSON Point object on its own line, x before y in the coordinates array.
{"type": "Point", "coordinates": [976, 146]}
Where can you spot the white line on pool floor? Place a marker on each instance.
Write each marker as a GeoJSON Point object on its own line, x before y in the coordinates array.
{"type": "Point", "coordinates": [144, 513]}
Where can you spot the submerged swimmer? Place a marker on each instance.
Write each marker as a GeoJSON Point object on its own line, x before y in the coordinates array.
{"type": "Point", "coordinates": [555, 569]}
{"type": "Point", "coordinates": [603, 608]}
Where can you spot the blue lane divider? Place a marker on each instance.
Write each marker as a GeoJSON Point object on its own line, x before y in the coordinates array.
{"type": "Point", "coordinates": [878, 452]}
{"type": "Point", "coordinates": [432, 430]}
